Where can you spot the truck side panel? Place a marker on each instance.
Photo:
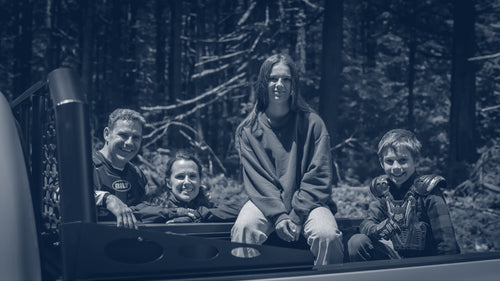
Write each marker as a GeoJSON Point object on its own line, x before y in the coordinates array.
{"type": "Point", "coordinates": [19, 253]}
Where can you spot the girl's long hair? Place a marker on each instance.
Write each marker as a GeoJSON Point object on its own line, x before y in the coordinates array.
{"type": "Point", "coordinates": [297, 103]}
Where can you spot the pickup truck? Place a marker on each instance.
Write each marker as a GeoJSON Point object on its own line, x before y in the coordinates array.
{"type": "Point", "coordinates": [49, 228]}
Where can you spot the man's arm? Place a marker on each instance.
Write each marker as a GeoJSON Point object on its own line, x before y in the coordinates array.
{"type": "Point", "coordinates": [124, 215]}
{"type": "Point", "coordinates": [100, 197]}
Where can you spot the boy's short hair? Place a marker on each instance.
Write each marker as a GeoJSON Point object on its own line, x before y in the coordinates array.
{"type": "Point", "coordinates": [125, 114]}
{"type": "Point", "coordinates": [399, 138]}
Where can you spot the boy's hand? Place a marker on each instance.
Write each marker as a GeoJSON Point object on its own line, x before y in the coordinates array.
{"type": "Point", "coordinates": [124, 215]}
{"type": "Point", "coordinates": [387, 228]}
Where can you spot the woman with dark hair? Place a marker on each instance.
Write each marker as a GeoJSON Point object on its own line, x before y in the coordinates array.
{"type": "Point", "coordinates": [287, 168]}
{"type": "Point", "coordinates": [186, 201]}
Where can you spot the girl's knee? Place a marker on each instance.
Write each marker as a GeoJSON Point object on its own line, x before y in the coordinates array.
{"type": "Point", "coordinates": [249, 233]}
{"type": "Point", "coordinates": [246, 224]}
{"type": "Point", "coordinates": [241, 227]}
{"type": "Point", "coordinates": [329, 234]}
{"type": "Point", "coordinates": [334, 235]}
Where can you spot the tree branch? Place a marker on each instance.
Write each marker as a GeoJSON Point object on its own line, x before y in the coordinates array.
{"type": "Point", "coordinates": [209, 71]}
{"type": "Point", "coordinates": [247, 13]}
{"type": "Point", "coordinates": [316, 7]}
{"type": "Point", "coordinates": [196, 99]}
{"type": "Point", "coordinates": [204, 146]}
{"type": "Point", "coordinates": [164, 129]}
{"type": "Point", "coordinates": [219, 58]}
{"type": "Point", "coordinates": [200, 106]}
{"type": "Point", "coordinates": [484, 57]}
{"type": "Point", "coordinates": [155, 177]}
{"type": "Point", "coordinates": [490, 108]}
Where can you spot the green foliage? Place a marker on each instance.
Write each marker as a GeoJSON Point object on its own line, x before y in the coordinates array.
{"type": "Point", "coordinates": [223, 190]}
{"type": "Point", "coordinates": [352, 202]}
{"type": "Point", "coordinates": [476, 225]}
{"type": "Point", "coordinates": [485, 174]}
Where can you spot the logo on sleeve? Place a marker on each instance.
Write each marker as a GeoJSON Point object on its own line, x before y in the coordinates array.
{"type": "Point", "coordinates": [121, 185]}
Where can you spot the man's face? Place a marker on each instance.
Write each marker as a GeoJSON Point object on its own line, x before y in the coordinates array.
{"type": "Point", "coordinates": [399, 165]}
{"type": "Point", "coordinates": [123, 141]}
{"type": "Point", "coordinates": [185, 180]}
{"type": "Point", "coordinates": [280, 84]}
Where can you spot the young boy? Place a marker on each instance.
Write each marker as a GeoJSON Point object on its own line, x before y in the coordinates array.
{"type": "Point", "coordinates": [409, 217]}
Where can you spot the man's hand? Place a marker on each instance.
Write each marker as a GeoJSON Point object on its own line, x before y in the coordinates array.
{"type": "Point", "coordinates": [124, 216]}
{"type": "Point", "coordinates": [287, 230]}
{"type": "Point", "coordinates": [387, 228]}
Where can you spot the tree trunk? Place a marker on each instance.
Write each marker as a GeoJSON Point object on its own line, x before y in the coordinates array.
{"type": "Point", "coordinates": [412, 46]}
{"type": "Point", "coordinates": [115, 95]}
{"type": "Point", "coordinates": [174, 67]}
{"type": "Point", "coordinates": [131, 94]}
{"type": "Point", "coordinates": [463, 103]}
{"type": "Point", "coordinates": [368, 40]}
{"type": "Point", "coordinates": [161, 30]}
{"type": "Point", "coordinates": [300, 46]}
{"type": "Point", "coordinates": [200, 85]}
{"type": "Point", "coordinates": [23, 45]}
{"type": "Point", "coordinates": [330, 88]}
{"type": "Point", "coordinates": [86, 50]}
{"type": "Point", "coordinates": [52, 50]}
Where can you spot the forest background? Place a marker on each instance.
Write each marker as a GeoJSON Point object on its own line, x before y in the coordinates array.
{"type": "Point", "coordinates": [366, 66]}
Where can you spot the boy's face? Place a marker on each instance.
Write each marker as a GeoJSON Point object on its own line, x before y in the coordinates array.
{"type": "Point", "coordinates": [399, 165]}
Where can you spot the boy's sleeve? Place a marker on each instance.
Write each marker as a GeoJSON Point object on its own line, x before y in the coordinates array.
{"type": "Point", "coordinates": [376, 214]}
{"type": "Point", "coordinates": [441, 224]}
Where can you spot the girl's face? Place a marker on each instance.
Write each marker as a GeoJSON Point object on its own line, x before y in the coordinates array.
{"type": "Point", "coordinates": [280, 84]}
{"type": "Point", "coordinates": [185, 180]}
{"type": "Point", "coordinates": [399, 165]}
